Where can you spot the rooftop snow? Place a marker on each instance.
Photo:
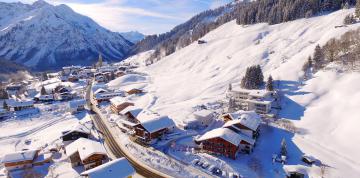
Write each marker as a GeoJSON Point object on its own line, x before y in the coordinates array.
{"type": "Point", "coordinates": [250, 120]}
{"type": "Point", "coordinates": [85, 147]}
{"type": "Point", "coordinates": [226, 134]}
{"type": "Point", "coordinates": [77, 103]}
{"type": "Point", "coordinates": [20, 156]}
{"type": "Point", "coordinates": [131, 109]}
{"type": "Point", "coordinates": [156, 124]}
{"type": "Point", "coordinates": [118, 168]}
{"type": "Point", "coordinates": [118, 100]}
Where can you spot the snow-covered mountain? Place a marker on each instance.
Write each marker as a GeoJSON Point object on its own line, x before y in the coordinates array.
{"type": "Point", "coordinates": [43, 36]}
{"type": "Point", "coordinates": [133, 36]}
{"type": "Point", "coordinates": [324, 109]}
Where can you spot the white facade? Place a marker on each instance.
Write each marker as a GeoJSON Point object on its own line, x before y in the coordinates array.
{"type": "Point", "coordinates": [198, 119]}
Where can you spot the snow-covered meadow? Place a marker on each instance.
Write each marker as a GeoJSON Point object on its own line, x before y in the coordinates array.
{"type": "Point", "coordinates": [323, 109]}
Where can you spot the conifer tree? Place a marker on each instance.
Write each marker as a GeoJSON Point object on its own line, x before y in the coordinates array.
{"type": "Point", "coordinates": [269, 84]}
{"type": "Point", "coordinates": [319, 58]}
{"type": "Point", "coordinates": [283, 150]}
{"type": "Point", "coordinates": [43, 91]}
{"type": "Point", "coordinates": [357, 9]}
{"type": "Point", "coordinates": [5, 105]}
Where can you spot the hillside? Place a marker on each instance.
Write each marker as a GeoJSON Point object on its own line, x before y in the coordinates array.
{"type": "Point", "coordinates": [324, 108]}
{"type": "Point", "coordinates": [43, 36]}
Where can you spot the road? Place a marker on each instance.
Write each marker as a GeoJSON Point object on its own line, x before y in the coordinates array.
{"type": "Point", "coordinates": [113, 145]}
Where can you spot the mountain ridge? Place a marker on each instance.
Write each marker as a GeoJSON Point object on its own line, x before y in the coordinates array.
{"type": "Point", "coordinates": [42, 36]}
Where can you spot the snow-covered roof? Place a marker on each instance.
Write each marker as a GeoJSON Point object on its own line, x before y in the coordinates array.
{"type": "Point", "coordinates": [156, 124]}
{"type": "Point", "coordinates": [2, 111]}
{"type": "Point", "coordinates": [100, 90]}
{"type": "Point", "coordinates": [20, 156]}
{"type": "Point", "coordinates": [203, 113]}
{"type": "Point", "coordinates": [254, 93]}
{"type": "Point", "coordinates": [250, 120]}
{"type": "Point", "coordinates": [226, 134]}
{"type": "Point", "coordinates": [135, 111]}
{"type": "Point", "coordinates": [118, 168]}
{"type": "Point", "coordinates": [78, 128]}
{"type": "Point", "coordinates": [242, 114]}
{"type": "Point", "coordinates": [14, 103]}
{"type": "Point", "coordinates": [118, 100]}
{"type": "Point", "coordinates": [77, 103]}
{"type": "Point", "coordinates": [85, 147]}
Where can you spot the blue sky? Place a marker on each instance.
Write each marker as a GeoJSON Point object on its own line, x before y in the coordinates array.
{"type": "Point", "coordinates": [145, 16]}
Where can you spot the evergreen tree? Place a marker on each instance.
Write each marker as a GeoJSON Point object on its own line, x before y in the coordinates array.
{"type": "Point", "coordinates": [230, 87]}
{"type": "Point", "coordinates": [44, 76]}
{"type": "Point", "coordinates": [3, 94]}
{"type": "Point", "coordinates": [319, 58]}
{"type": "Point", "coordinates": [357, 9]}
{"type": "Point", "coordinates": [5, 106]}
{"type": "Point", "coordinates": [269, 84]}
{"type": "Point", "coordinates": [43, 91]}
{"type": "Point", "coordinates": [283, 150]}
{"type": "Point", "coordinates": [253, 78]}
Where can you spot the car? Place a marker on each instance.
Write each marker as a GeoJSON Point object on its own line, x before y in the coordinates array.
{"type": "Point", "coordinates": [195, 161]}
{"type": "Point", "coordinates": [217, 171]}
{"type": "Point", "coordinates": [205, 165]}
{"type": "Point", "coordinates": [211, 167]}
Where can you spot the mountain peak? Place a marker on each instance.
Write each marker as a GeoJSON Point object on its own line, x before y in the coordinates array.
{"type": "Point", "coordinates": [40, 3]}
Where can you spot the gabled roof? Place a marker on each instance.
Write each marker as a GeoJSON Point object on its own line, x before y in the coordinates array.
{"type": "Point", "coordinates": [77, 128]}
{"type": "Point", "coordinates": [118, 100]}
{"type": "Point", "coordinates": [133, 110]}
{"type": "Point", "coordinates": [20, 156]}
{"type": "Point", "coordinates": [226, 134]}
{"type": "Point", "coordinates": [100, 90]}
{"type": "Point", "coordinates": [14, 103]}
{"type": "Point", "coordinates": [118, 168]}
{"type": "Point", "coordinates": [203, 113]}
{"type": "Point", "coordinates": [156, 124]}
{"type": "Point", "coordinates": [250, 120]}
{"type": "Point", "coordinates": [85, 148]}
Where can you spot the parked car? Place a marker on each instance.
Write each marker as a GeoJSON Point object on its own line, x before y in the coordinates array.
{"type": "Point", "coordinates": [217, 171]}
{"type": "Point", "coordinates": [195, 161]}
{"type": "Point", "coordinates": [205, 165]}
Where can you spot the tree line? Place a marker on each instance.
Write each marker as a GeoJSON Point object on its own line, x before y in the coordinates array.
{"type": "Point", "coordinates": [245, 12]}
{"type": "Point", "coordinates": [345, 51]}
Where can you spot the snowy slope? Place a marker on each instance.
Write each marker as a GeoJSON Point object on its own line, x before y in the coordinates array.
{"type": "Point", "coordinates": [43, 36]}
{"type": "Point", "coordinates": [199, 74]}
{"type": "Point", "coordinates": [133, 36]}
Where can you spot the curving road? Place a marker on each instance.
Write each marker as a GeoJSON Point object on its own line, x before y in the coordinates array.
{"type": "Point", "coordinates": [113, 145]}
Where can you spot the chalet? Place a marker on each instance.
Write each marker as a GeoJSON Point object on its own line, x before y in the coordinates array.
{"type": "Point", "coordinates": [87, 153]}
{"type": "Point", "coordinates": [134, 91]}
{"type": "Point", "coordinates": [119, 103]}
{"type": "Point", "coordinates": [199, 119]}
{"type": "Point", "coordinates": [131, 113]}
{"type": "Point", "coordinates": [240, 114]}
{"type": "Point", "coordinates": [104, 95]}
{"type": "Point", "coordinates": [30, 92]}
{"type": "Point", "coordinates": [44, 98]}
{"type": "Point", "coordinates": [19, 160]}
{"type": "Point", "coordinates": [75, 132]}
{"type": "Point", "coordinates": [77, 105]}
{"type": "Point", "coordinates": [67, 70]}
{"type": "Point", "coordinates": [118, 168]}
{"type": "Point", "coordinates": [258, 100]}
{"type": "Point", "coordinates": [20, 105]}
{"type": "Point", "coordinates": [295, 171]}
{"type": "Point", "coordinates": [150, 129]}
{"type": "Point", "coordinates": [245, 123]}
{"type": "Point", "coordinates": [225, 142]}
{"type": "Point", "coordinates": [119, 73]}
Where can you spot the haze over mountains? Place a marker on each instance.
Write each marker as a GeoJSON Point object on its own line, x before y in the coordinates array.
{"type": "Point", "coordinates": [42, 36]}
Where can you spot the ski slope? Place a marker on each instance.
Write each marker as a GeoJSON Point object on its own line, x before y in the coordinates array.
{"type": "Point", "coordinates": [325, 108]}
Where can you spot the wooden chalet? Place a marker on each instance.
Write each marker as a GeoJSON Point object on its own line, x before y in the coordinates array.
{"type": "Point", "coordinates": [87, 153]}
{"type": "Point", "coordinates": [19, 160]}
{"type": "Point", "coordinates": [223, 141]}
{"type": "Point", "coordinates": [147, 131]}
{"type": "Point", "coordinates": [131, 113]}
{"type": "Point", "coordinates": [119, 103]}
{"type": "Point", "coordinates": [76, 106]}
{"type": "Point", "coordinates": [119, 73]}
